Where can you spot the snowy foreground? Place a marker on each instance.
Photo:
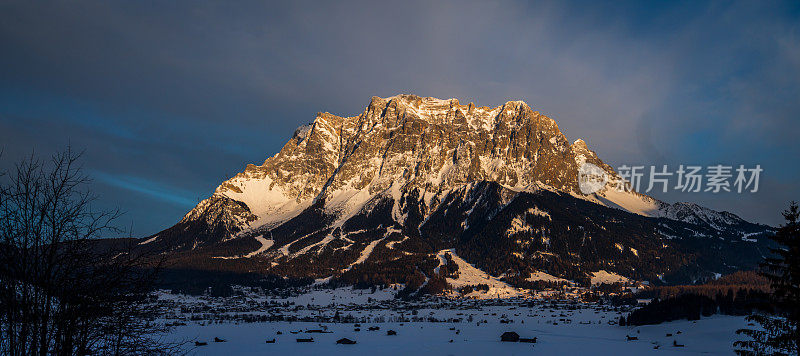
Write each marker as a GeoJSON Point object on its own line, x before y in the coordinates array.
{"type": "Point", "coordinates": [561, 328]}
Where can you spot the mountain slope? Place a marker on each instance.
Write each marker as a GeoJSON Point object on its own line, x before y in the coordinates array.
{"type": "Point", "coordinates": [375, 197]}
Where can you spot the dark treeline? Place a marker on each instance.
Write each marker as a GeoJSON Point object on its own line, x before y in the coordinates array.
{"type": "Point", "coordinates": [219, 283]}
{"type": "Point", "coordinates": [739, 293]}
{"type": "Point", "coordinates": [470, 289]}
{"type": "Point", "coordinates": [692, 306]}
{"type": "Point", "coordinates": [520, 282]}
{"type": "Point", "coordinates": [414, 271]}
{"type": "Point", "coordinates": [735, 282]}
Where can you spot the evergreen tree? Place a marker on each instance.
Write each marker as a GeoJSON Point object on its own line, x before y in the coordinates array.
{"type": "Point", "coordinates": [778, 333]}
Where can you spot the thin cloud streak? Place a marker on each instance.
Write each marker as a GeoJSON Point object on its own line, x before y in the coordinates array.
{"type": "Point", "coordinates": [156, 190]}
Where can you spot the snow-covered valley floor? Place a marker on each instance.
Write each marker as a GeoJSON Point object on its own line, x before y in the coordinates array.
{"type": "Point", "coordinates": [713, 336]}
{"type": "Point", "coordinates": [562, 328]}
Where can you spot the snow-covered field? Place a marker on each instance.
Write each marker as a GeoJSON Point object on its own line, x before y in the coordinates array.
{"type": "Point", "coordinates": [473, 327]}
{"type": "Point", "coordinates": [713, 335]}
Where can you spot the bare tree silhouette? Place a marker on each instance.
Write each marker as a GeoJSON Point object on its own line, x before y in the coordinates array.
{"type": "Point", "coordinates": [63, 289]}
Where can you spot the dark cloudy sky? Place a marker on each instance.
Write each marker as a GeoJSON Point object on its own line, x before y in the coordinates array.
{"type": "Point", "coordinates": [169, 98]}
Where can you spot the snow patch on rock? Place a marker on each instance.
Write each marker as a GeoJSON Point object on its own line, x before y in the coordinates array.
{"type": "Point", "coordinates": [605, 277]}
{"type": "Point", "coordinates": [469, 275]}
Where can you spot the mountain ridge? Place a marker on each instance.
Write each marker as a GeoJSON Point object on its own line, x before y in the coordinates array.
{"type": "Point", "coordinates": [342, 185]}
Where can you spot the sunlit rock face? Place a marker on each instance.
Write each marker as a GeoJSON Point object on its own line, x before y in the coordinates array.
{"type": "Point", "coordinates": [411, 176]}
{"type": "Point", "coordinates": [408, 142]}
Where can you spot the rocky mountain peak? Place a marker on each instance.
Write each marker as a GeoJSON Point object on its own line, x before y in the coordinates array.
{"type": "Point", "coordinates": [406, 142]}
{"type": "Point", "coordinates": [409, 177]}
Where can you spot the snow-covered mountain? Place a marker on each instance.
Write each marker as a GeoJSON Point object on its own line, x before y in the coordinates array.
{"type": "Point", "coordinates": [376, 196]}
